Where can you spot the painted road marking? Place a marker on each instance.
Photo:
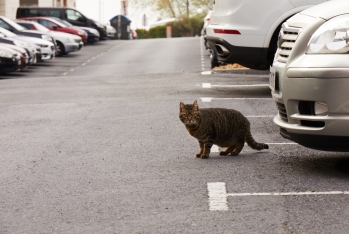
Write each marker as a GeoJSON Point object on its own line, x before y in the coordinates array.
{"type": "Point", "coordinates": [210, 99]}
{"type": "Point", "coordinates": [216, 149]}
{"type": "Point", "coordinates": [209, 85]}
{"type": "Point", "coordinates": [206, 73]}
{"type": "Point", "coordinates": [217, 195]}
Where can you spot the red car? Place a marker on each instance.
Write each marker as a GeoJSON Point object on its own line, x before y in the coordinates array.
{"type": "Point", "coordinates": [55, 25]}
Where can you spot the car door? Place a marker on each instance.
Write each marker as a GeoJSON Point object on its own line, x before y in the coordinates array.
{"type": "Point", "coordinates": [75, 18]}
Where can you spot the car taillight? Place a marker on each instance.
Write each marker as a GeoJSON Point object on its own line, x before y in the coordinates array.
{"type": "Point", "coordinates": [223, 31]}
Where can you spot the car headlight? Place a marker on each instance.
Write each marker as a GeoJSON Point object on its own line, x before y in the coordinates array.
{"type": "Point", "coordinates": [42, 46]}
{"type": "Point", "coordinates": [45, 37]}
{"type": "Point", "coordinates": [331, 38]}
{"type": "Point", "coordinates": [5, 54]}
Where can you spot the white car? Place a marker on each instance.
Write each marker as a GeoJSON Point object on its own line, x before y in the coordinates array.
{"type": "Point", "coordinates": [47, 48]}
{"type": "Point", "coordinates": [203, 31]}
{"type": "Point", "coordinates": [310, 77]}
{"type": "Point", "coordinates": [66, 42]}
{"type": "Point", "coordinates": [246, 31]}
{"type": "Point", "coordinates": [111, 31]}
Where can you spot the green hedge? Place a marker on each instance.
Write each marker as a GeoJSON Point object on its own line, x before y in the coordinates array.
{"type": "Point", "coordinates": [184, 27]}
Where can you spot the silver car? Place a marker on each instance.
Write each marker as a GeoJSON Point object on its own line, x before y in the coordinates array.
{"type": "Point", "coordinates": [309, 77]}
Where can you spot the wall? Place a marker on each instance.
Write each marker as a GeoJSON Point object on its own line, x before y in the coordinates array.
{"type": "Point", "coordinates": [8, 8]}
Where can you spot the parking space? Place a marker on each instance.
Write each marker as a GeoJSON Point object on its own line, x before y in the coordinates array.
{"type": "Point", "coordinates": [64, 65]}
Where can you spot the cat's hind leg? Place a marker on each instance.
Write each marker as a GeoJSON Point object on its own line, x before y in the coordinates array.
{"type": "Point", "coordinates": [227, 150]}
{"type": "Point", "coordinates": [238, 148]}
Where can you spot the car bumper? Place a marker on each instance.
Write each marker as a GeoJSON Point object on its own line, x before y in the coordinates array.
{"type": "Point", "coordinates": [9, 65]}
{"type": "Point", "coordinates": [71, 47]}
{"type": "Point", "coordinates": [47, 53]}
{"type": "Point", "coordinates": [92, 38]}
{"type": "Point", "coordinates": [296, 92]}
{"type": "Point", "coordinates": [251, 56]}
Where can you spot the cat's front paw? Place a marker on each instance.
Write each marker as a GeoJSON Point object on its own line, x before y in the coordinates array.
{"type": "Point", "coordinates": [204, 156]}
{"type": "Point", "coordinates": [198, 155]}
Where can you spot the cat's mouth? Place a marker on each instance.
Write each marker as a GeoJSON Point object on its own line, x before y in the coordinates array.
{"type": "Point", "coordinates": [191, 124]}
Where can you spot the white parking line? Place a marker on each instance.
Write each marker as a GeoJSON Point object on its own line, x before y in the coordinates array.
{"type": "Point", "coordinates": [216, 149]}
{"type": "Point", "coordinates": [210, 99]}
{"type": "Point", "coordinates": [209, 85]}
{"type": "Point", "coordinates": [217, 195]}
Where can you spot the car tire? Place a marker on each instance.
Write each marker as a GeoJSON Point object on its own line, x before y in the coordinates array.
{"type": "Point", "coordinates": [60, 48]}
{"type": "Point", "coordinates": [214, 60]}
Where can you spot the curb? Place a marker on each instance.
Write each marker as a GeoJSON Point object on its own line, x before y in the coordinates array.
{"type": "Point", "coordinates": [242, 71]}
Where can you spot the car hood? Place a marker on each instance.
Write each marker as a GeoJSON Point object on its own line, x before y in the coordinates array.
{"type": "Point", "coordinates": [64, 35]}
{"type": "Point", "coordinates": [34, 32]}
{"type": "Point", "coordinates": [91, 30]}
{"type": "Point", "coordinates": [328, 9]}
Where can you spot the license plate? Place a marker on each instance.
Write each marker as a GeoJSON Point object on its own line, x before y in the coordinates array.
{"type": "Point", "coordinates": [272, 77]}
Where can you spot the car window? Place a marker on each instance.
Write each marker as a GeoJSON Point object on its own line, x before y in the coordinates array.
{"type": "Point", "coordinates": [12, 23]}
{"type": "Point", "coordinates": [27, 26]}
{"type": "Point", "coordinates": [28, 12]}
{"type": "Point", "coordinates": [41, 28]}
{"type": "Point", "coordinates": [74, 15]}
{"type": "Point", "coordinates": [47, 23]}
{"type": "Point", "coordinates": [50, 12]}
{"type": "Point", "coordinates": [4, 24]}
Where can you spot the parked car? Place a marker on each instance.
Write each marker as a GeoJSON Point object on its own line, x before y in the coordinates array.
{"type": "Point", "coordinates": [309, 77]}
{"type": "Point", "coordinates": [9, 60]}
{"type": "Point", "coordinates": [55, 25]}
{"type": "Point", "coordinates": [92, 34]}
{"type": "Point", "coordinates": [71, 15]}
{"type": "Point", "coordinates": [134, 34]}
{"type": "Point", "coordinates": [22, 53]}
{"type": "Point", "coordinates": [246, 31]}
{"type": "Point", "coordinates": [44, 50]}
{"type": "Point", "coordinates": [12, 26]}
{"type": "Point", "coordinates": [31, 49]}
{"type": "Point", "coordinates": [111, 32]}
{"type": "Point", "coordinates": [203, 31]}
{"type": "Point", "coordinates": [66, 42]}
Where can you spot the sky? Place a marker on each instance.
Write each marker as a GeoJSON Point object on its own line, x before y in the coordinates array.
{"type": "Point", "coordinates": [104, 10]}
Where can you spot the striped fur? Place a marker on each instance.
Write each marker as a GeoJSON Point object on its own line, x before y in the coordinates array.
{"type": "Point", "coordinates": [226, 128]}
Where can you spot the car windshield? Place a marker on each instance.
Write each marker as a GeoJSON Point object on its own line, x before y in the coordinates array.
{"type": "Point", "coordinates": [40, 28]}
{"type": "Point", "coordinates": [7, 33]}
{"type": "Point", "coordinates": [63, 22]}
{"type": "Point", "coordinates": [13, 24]}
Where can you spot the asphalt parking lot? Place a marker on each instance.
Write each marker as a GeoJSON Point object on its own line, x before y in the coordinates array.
{"type": "Point", "coordinates": [87, 153]}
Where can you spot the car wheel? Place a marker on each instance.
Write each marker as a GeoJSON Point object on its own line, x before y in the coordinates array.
{"type": "Point", "coordinates": [60, 48]}
{"type": "Point", "coordinates": [214, 60]}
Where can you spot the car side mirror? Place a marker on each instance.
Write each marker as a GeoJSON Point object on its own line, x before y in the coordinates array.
{"type": "Point", "coordinates": [54, 27]}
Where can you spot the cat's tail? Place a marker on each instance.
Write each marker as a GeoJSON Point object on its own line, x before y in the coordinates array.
{"type": "Point", "coordinates": [253, 144]}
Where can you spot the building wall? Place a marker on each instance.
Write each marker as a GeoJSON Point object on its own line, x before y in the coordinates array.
{"type": "Point", "coordinates": [8, 8]}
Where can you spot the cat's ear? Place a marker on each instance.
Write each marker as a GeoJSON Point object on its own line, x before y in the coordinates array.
{"type": "Point", "coordinates": [195, 106]}
{"type": "Point", "coordinates": [181, 106]}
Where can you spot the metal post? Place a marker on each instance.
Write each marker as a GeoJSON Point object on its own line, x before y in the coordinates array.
{"type": "Point", "coordinates": [119, 27]}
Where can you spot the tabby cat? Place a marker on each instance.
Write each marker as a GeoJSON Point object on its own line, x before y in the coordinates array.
{"type": "Point", "coordinates": [223, 127]}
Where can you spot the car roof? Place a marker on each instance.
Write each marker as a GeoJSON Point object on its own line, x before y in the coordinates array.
{"type": "Point", "coordinates": [45, 18]}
